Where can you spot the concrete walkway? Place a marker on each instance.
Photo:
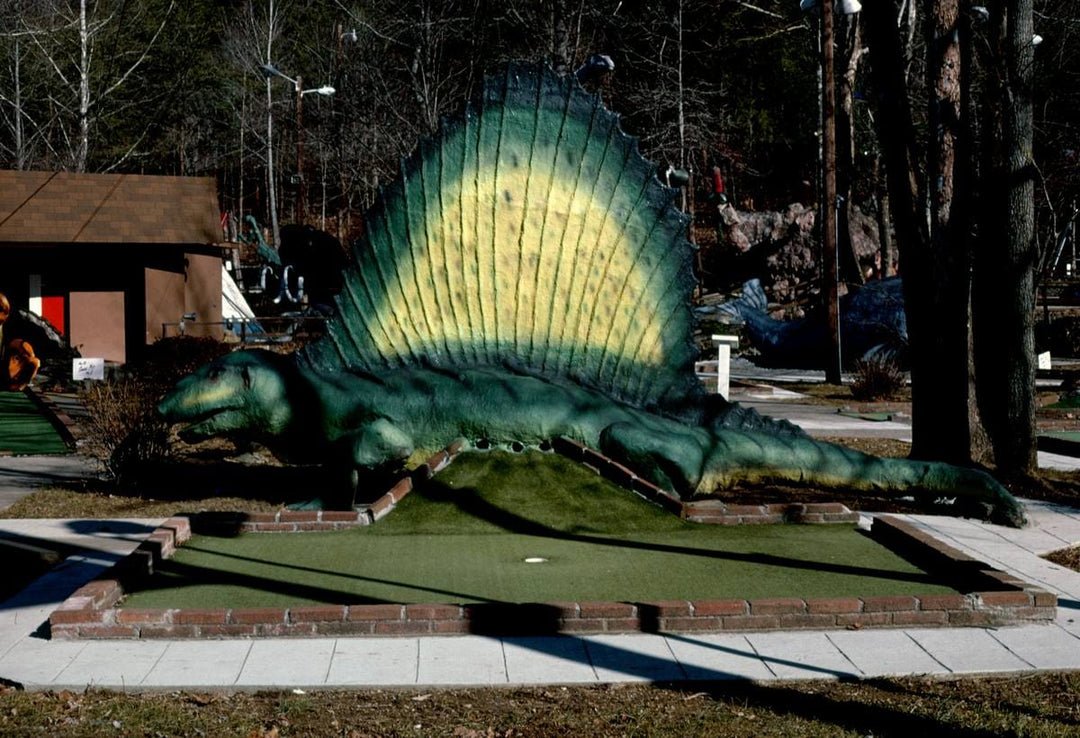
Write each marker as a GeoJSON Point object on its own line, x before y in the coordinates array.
{"type": "Point", "coordinates": [28, 658]}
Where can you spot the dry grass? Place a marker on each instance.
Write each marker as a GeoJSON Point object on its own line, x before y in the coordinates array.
{"type": "Point", "coordinates": [66, 502]}
{"type": "Point", "coordinates": [1036, 705]}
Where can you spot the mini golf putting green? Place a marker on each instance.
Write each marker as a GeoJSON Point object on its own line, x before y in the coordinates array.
{"type": "Point", "coordinates": [26, 430]}
{"type": "Point", "coordinates": [468, 536]}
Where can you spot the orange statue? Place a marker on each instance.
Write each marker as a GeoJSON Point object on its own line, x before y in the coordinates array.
{"type": "Point", "coordinates": [18, 364]}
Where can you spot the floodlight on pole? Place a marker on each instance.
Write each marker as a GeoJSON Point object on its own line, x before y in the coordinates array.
{"type": "Point", "coordinates": [269, 70]}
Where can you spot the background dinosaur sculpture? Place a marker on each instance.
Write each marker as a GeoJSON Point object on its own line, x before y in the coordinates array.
{"type": "Point", "coordinates": [527, 277]}
{"type": "Point", "coordinates": [872, 322]}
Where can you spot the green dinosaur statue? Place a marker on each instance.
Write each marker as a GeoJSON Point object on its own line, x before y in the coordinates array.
{"type": "Point", "coordinates": [527, 277]}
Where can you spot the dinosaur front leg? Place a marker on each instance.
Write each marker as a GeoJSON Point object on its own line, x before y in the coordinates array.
{"type": "Point", "coordinates": [377, 443]}
{"type": "Point", "coordinates": [373, 445]}
{"type": "Point", "coordinates": [739, 456]}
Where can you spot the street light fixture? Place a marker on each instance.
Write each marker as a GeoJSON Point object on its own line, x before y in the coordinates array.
{"type": "Point", "coordinates": [269, 70]}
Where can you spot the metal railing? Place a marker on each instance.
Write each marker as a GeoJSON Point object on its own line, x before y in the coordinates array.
{"type": "Point", "coordinates": [272, 329]}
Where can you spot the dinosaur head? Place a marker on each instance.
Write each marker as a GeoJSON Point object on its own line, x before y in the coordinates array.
{"type": "Point", "coordinates": [245, 393]}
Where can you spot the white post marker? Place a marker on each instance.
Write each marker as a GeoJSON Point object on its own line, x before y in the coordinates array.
{"type": "Point", "coordinates": [724, 344]}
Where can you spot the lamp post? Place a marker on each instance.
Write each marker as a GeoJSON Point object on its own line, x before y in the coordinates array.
{"type": "Point", "coordinates": [326, 90]}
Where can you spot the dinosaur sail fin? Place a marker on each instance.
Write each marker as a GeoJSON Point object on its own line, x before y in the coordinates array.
{"type": "Point", "coordinates": [529, 231]}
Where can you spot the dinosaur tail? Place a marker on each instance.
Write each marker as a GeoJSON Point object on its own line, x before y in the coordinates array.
{"type": "Point", "coordinates": [747, 456]}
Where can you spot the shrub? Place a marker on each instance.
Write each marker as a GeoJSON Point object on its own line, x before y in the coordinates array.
{"type": "Point", "coordinates": [122, 429]}
{"type": "Point", "coordinates": [877, 377]}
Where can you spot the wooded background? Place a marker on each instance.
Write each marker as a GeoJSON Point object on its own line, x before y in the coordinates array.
{"type": "Point", "coordinates": [162, 86]}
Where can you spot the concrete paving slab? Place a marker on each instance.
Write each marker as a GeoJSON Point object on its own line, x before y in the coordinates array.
{"type": "Point", "coordinates": [1059, 462]}
{"type": "Point", "coordinates": [547, 660]}
{"type": "Point", "coordinates": [717, 656]}
{"type": "Point", "coordinates": [371, 661]}
{"type": "Point", "coordinates": [801, 655]}
{"type": "Point", "coordinates": [115, 664]}
{"type": "Point", "coordinates": [968, 650]}
{"type": "Point", "coordinates": [879, 653]}
{"type": "Point", "coordinates": [461, 660]}
{"type": "Point", "coordinates": [35, 662]}
{"type": "Point", "coordinates": [21, 475]}
{"type": "Point", "coordinates": [1042, 646]}
{"type": "Point", "coordinates": [199, 664]}
{"type": "Point", "coordinates": [633, 658]}
{"type": "Point", "coordinates": [279, 662]}
{"type": "Point", "coordinates": [116, 537]}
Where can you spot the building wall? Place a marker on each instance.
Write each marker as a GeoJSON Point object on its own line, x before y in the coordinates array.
{"type": "Point", "coordinates": [164, 302]}
{"type": "Point", "coordinates": [97, 325]}
{"type": "Point", "coordinates": [202, 293]}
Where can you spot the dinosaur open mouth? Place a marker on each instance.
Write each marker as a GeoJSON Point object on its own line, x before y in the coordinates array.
{"type": "Point", "coordinates": [208, 424]}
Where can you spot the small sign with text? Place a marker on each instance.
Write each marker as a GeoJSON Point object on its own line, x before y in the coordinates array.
{"type": "Point", "coordinates": [87, 369]}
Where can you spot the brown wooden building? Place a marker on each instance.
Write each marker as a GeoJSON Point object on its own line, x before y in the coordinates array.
{"type": "Point", "coordinates": [109, 258]}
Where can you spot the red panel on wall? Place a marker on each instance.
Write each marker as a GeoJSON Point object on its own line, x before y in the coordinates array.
{"type": "Point", "coordinates": [52, 309]}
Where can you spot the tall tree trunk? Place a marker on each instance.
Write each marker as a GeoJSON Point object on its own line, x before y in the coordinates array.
{"type": "Point", "coordinates": [884, 221]}
{"type": "Point", "coordinates": [850, 50]}
{"type": "Point", "coordinates": [1005, 276]}
{"type": "Point", "coordinates": [20, 144]}
{"type": "Point", "coordinates": [935, 287]}
{"type": "Point", "coordinates": [83, 144]}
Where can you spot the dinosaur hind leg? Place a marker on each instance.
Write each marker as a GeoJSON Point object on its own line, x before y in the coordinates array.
{"type": "Point", "coordinates": [670, 460]}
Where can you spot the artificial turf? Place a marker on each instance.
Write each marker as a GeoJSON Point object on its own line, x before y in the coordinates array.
{"type": "Point", "coordinates": [26, 430]}
{"type": "Point", "coordinates": [464, 537]}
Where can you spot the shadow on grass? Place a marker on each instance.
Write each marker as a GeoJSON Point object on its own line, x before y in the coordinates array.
{"type": "Point", "coordinates": [470, 501]}
{"type": "Point", "coordinates": [213, 474]}
{"type": "Point", "coordinates": [493, 617]}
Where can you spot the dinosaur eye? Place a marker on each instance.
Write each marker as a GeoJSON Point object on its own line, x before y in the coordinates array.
{"type": "Point", "coordinates": [246, 376]}
{"type": "Point", "coordinates": [215, 373]}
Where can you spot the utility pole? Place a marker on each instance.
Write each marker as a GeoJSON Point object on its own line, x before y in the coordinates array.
{"type": "Point", "coordinates": [300, 150]}
{"type": "Point", "coordinates": [830, 272]}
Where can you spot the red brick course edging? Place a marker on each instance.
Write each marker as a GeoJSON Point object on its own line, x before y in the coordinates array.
{"type": "Point", "coordinates": [65, 425]}
{"type": "Point", "coordinates": [1002, 600]}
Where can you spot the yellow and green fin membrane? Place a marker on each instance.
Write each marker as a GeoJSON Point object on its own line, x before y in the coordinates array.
{"type": "Point", "coordinates": [528, 232]}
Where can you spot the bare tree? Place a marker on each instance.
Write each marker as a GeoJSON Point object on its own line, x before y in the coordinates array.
{"type": "Point", "coordinates": [250, 44]}
{"type": "Point", "coordinates": [85, 83]}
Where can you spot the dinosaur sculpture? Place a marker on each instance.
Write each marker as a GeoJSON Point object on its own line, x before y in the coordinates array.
{"type": "Point", "coordinates": [872, 321]}
{"type": "Point", "coordinates": [527, 277]}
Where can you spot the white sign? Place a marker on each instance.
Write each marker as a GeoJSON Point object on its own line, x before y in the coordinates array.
{"type": "Point", "coordinates": [1044, 360]}
{"type": "Point", "coordinates": [87, 369]}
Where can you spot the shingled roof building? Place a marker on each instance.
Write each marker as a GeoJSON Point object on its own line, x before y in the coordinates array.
{"type": "Point", "coordinates": [109, 258]}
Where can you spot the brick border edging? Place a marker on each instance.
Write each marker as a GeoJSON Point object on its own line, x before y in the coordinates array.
{"type": "Point", "coordinates": [89, 612]}
{"type": "Point", "coordinates": [70, 431]}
